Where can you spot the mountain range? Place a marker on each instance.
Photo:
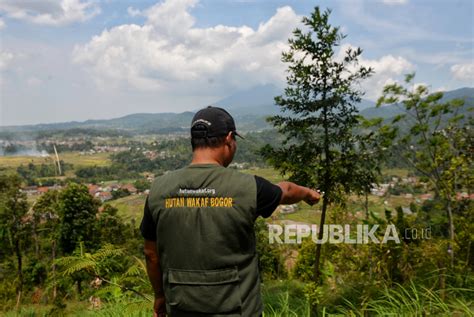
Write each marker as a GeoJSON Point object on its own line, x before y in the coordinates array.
{"type": "Point", "coordinates": [249, 108]}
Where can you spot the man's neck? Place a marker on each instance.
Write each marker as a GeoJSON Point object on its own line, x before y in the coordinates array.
{"type": "Point", "coordinates": [206, 156]}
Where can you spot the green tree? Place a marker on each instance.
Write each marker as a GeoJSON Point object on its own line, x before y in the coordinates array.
{"type": "Point", "coordinates": [46, 229]}
{"type": "Point", "coordinates": [77, 210]}
{"type": "Point", "coordinates": [320, 148]}
{"type": "Point", "coordinates": [109, 226]}
{"type": "Point", "coordinates": [141, 185]}
{"type": "Point", "coordinates": [45, 218]}
{"type": "Point", "coordinates": [373, 147]}
{"type": "Point", "coordinates": [435, 139]}
{"type": "Point", "coordinates": [270, 257]}
{"type": "Point", "coordinates": [13, 208]}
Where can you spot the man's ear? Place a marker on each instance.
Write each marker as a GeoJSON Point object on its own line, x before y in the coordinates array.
{"type": "Point", "coordinates": [229, 137]}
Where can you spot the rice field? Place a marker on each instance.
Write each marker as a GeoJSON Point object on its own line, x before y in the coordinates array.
{"type": "Point", "coordinates": [75, 158]}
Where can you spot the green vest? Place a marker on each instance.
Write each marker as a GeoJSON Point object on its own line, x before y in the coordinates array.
{"type": "Point", "coordinates": [204, 217]}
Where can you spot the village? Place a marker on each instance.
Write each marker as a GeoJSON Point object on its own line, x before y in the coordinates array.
{"type": "Point", "coordinates": [104, 192]}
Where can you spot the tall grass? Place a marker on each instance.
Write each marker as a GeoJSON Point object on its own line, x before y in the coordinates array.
{"type": "Point", "coordinates": [283, 308]}
{"type": "Point", "coordinates": [284, 298]}
{"type": "Point", "coordinates": [122, 309]}
{"type": "Point", "coordinates": [287, 299]}
{"type": "Point", "coordinates": [409, 300]}
{"type": "Point", "coordinates": [412, 300]}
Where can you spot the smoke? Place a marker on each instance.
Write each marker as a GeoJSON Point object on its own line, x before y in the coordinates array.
{"type": "Point", "coordinates": [27, 152]}
{"type": "Point", "coordinates": [21, 144]}
{"type": "Point", "coordinates": [31, 152]}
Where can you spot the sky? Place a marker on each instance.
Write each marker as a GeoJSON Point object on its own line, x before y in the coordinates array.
{"type": "Point", "coordinates": [73, 60]}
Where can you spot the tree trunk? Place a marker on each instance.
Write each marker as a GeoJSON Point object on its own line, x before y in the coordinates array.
{"type": "Point", "coordinates": [53, 247]}
{"type": "Point", "coordinates": [79, 287]}
{"type": "Point", "coordinates": [326, 189]}
{"type": "Point", "coordinates": [366, 205]}
{"type": "Point", "coordinates": [35, 237]}
{"type": "Point", "coordinates": [20, 269]}
{"type": "Point", "coordinates": [317, 272]}
{"type": "Point", "coordinates": [18, 300]}
{"type": "Point", "coordinates": [451, 231]}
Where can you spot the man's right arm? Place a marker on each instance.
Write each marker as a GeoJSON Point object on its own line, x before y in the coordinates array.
{"type": "Point", "coordinates": [148, 230]}
{"type": "Point", "coordinates": [269, 195]}
{"type": "Point", "coordinates": [292, 193]}
{"type": "Point", "coordinates": [153, 270]}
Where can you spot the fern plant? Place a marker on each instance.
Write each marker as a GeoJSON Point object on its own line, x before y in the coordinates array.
{"type": "Point", "coordinates": [97, 265]}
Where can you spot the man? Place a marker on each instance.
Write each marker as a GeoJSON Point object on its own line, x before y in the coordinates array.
{"type": "Point", "coordinates": [198, 226]}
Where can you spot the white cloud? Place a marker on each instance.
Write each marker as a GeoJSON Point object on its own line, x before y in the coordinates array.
{"type": "Point", "coordinates": [34, 81]}
{"type": "Point", "coordinates": [388, 69]}
{"type": "Point", "coordinates": [389, 64]}
{"type": "Point", "coordinates": [5, 59]}
{"type": "Point", "coordinates": [169, 52]}
{"type": "Point", "coordinates": [2, 24]}
{"type": "Point", "coordinates": [463, 72]}
{"type": "Point", "coordinates": [440, 89]}
{"type": "Point", "coordinates": [133, 12]}
{"type": "Point", "coordinates": [395, 2]}
{"type": "Point", "coordinates": [50, 12]}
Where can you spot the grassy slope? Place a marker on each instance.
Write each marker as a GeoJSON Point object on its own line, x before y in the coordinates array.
{"type": "Point", "coordinates": [130, 207]}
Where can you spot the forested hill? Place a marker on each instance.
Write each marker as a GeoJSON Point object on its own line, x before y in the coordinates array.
{"type": "Point", "coordinates": [389, 111]}
{"type": "Point", "coordinates": [249, 108]}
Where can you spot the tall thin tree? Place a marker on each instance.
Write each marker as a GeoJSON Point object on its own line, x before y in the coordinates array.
{"type": "Point", "coordinates": [13, 208]}
{"type": "Point", "coordinates": [319, 114]}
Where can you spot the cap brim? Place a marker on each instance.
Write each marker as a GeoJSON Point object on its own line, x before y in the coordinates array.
{"type": "Point", "coordinates": [237, 134]}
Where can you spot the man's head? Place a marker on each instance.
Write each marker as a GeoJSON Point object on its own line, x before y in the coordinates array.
{"type": "Point", "coordinates": [213, 130]}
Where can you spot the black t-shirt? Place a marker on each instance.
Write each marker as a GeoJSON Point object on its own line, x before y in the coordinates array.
{"type": "Point", "coordinates": [268, 198]}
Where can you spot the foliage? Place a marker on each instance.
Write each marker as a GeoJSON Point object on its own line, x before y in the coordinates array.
{"type": "Point", "coordinates": [91, 263]}
{"type": "Point", "coordinates": [32, 171]}
{"type": "Point", "coordinates": [141, 185]}
{"type": "Point", "coordinates": [95, 174]}
{"type": "Point", "coordinates": [107, 265]}
{"type": "Point", "coordinates": [285, 298]}
{"type": "Point", "coordinates": [270, 257]}
{"type": "Point", "coordinates": [83, 146]}
{"type": "Point", "coordinates": [119, 193]}
{"type": "Point", "coordinates": [109, 227]}
{"type": "Point", "coordinates": [136, 161]}
{"type": "Point", "coordinates": [77, 210]}
{"type": "Point", "coordinates": [13, 227]}
{"type": "Point", "coordinates": [415, 301]}
{"type": "Point", "coordinates": [320, 148]}
{"type": "Point", "coordinates": [322, 103]}
{"type": "Point", "coordinates": [438, 144]}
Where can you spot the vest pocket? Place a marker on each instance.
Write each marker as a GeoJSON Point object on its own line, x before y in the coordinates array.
{"type": "Point", "coordinates": [204, 291]}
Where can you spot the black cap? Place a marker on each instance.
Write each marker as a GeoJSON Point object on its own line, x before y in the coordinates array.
{"type": "Point", "coordinates": [212, 122]}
